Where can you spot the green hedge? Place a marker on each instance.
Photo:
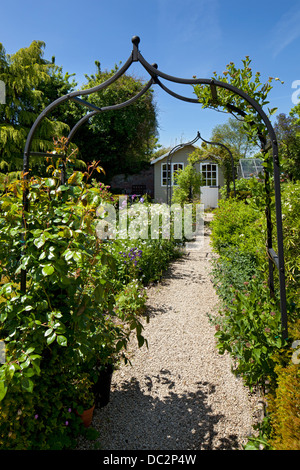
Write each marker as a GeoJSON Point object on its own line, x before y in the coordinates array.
{"type": "Point", "coordinates": [248, 324]}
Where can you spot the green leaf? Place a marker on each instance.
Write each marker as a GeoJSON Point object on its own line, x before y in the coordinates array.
{"type": "Point", "coordinates": [48, 270]}
{"type": "Point", "coordinates": [51, 338]}
{"type": "Point", "coordinates": [25, 364]}
{"type": "Point", "coordinates": [98, 292]}
{"type": "Point", "coordinates": [77, 256]}
{"type": "Point", "coordinates": [27, 384]}
{"type": "Point", "coordinates": [29, 350]}
{"type": "Point", "coordinates": [10, 371]}
{"type": "Point", "coordinates": [141, 340]}
{"type": "Point", "coordinates": [39, 242]}
{"type": "Point", "coordinates": [50, 183]}
{"type": "Point", "coordinates": [3, 389]}
{"type": "Point", "coordinates": [68, 255]}
{"type": "Point", "coordinates": [251, 446]}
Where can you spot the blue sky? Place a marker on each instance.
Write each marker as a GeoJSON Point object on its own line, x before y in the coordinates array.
{"type": "Point", "coordinates": [184, 37]}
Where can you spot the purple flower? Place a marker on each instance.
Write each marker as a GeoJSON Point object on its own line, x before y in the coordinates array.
{"type": "Point", "coordinates": [142, 199]}
{"type": "Point", "coordinates": [69, 410]}
{"type": "Point", "coordinates": [67, 423]}
{"type": "Point", "coordinates": [36, 416]}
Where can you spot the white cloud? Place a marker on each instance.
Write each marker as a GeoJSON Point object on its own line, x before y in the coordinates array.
{"type": "Point", "coordinates": [286, 30]}
{"type": "Point", "coordinates": [187, 21]}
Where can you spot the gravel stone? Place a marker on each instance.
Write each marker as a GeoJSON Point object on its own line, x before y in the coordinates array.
{"type": "Point", "coordinates": [179, 393]}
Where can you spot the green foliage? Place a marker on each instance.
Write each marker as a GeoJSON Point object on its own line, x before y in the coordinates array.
{"type": "Point", "coordinates": [31, 82]}
{"type": "Point", "coordinates": [287, 130]}
{"type": "Point", "coordinates": [232, 270]}
{"type": "Point", "coordinates": [238, 225]}
{"type": "Point", "coordinates": [243, 79]}
{"type": "Point", "coordinates": [291, 231]}
{"type": "Point", "coordinates": [248, 324]}
{"type": "Point", "coordinates": [80, 308]}
{"type": "Point", "coordinates": [260, 440]}
{"type": "Point", "coordinates": [68, 287]}
{"type": "Point", "coordinates": [188, 182]}
{"type": "Point", "coordinates": [284, 408]}
{"type": "Point", "coordinates": [250, 330]}
{"type": "Point", "coordinates": [124, 139]}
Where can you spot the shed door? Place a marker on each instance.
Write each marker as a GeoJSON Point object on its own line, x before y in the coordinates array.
{"type": "Point", "coordinates": [210, 185]}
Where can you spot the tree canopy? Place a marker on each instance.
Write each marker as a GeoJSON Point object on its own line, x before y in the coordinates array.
{"type": "Point", "coordinates": [287, 130]}
{"type": "Point", "coordinates": [31, 84]}
{"type": "Point", "coordinates": [123, 140]}
{"type": "Point", "coordinates": [243, 79]}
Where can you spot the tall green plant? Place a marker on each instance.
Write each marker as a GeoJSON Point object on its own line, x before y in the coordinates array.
{"type": "Point", "coordinates": [31, 83]}
{"type": "Point", "coordinates": [187, 185]}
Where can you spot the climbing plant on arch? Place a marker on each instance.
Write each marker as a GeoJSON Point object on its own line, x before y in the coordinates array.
{"type": "Point", "coordinates": [208, 90]}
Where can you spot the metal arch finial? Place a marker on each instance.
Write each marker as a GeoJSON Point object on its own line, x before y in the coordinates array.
{"type": "Point", "coordinates": [135, 51]}
{"type": "Point", "coordinates": [135, 40]}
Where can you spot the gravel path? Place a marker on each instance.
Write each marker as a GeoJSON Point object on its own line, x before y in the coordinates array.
{"type": "Point", "coordinates": [179, 394]}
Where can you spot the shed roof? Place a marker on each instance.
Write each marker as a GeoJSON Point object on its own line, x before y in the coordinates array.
{"type": "Point", "coordinates": [166, 154]}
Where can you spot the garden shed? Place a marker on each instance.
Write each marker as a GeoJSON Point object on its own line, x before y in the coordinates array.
{"type": "Point", "coordinates": [212, 175]}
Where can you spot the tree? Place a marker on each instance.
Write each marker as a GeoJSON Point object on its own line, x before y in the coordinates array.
{"type": "Point", "coordinates": [287, 130]}
{"type": "Point", "coordinates": [124, 139]}
{"type": "Point", "coordinates": [233, 135]}
{"type": "Point", "coordinates": [243, 79]}
{"type": "Point", "coordinates": [188, 182]}
{"type": "Point", "coordinates": [31, 84]}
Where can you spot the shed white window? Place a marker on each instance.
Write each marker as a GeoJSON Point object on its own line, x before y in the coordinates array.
{"type": "Point", "coordinates": [209, 173]}
{"type": "Point", "coordinates": [166, 174]}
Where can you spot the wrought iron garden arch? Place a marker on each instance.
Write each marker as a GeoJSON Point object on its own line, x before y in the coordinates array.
{"type": "Point", "coordinates": [275, 259]}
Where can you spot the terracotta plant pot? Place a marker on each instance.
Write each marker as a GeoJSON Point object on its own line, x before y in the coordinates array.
{"type": "Point", "coordinates": [87, 416]}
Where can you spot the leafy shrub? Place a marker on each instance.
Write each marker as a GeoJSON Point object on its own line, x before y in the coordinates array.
{"type": "Point", "coordinates": [291, 233]}
{"type": "Point", "coordinates": [81, 306]}
{"type": "Point", "coordinates": [248, 326]}
{"type": "Point", "coordinates": [284, 408]}
{"type": "Point", "coordinates": [250, 330]}
{"type": "Point", "coordinates": [231, 270]}
{"type": "Point", "coordinates": [66, 313]}
{"type": "Point", "coordinates": [237, 225]}
{"type": "Point", "coordinates": [187, 188]}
